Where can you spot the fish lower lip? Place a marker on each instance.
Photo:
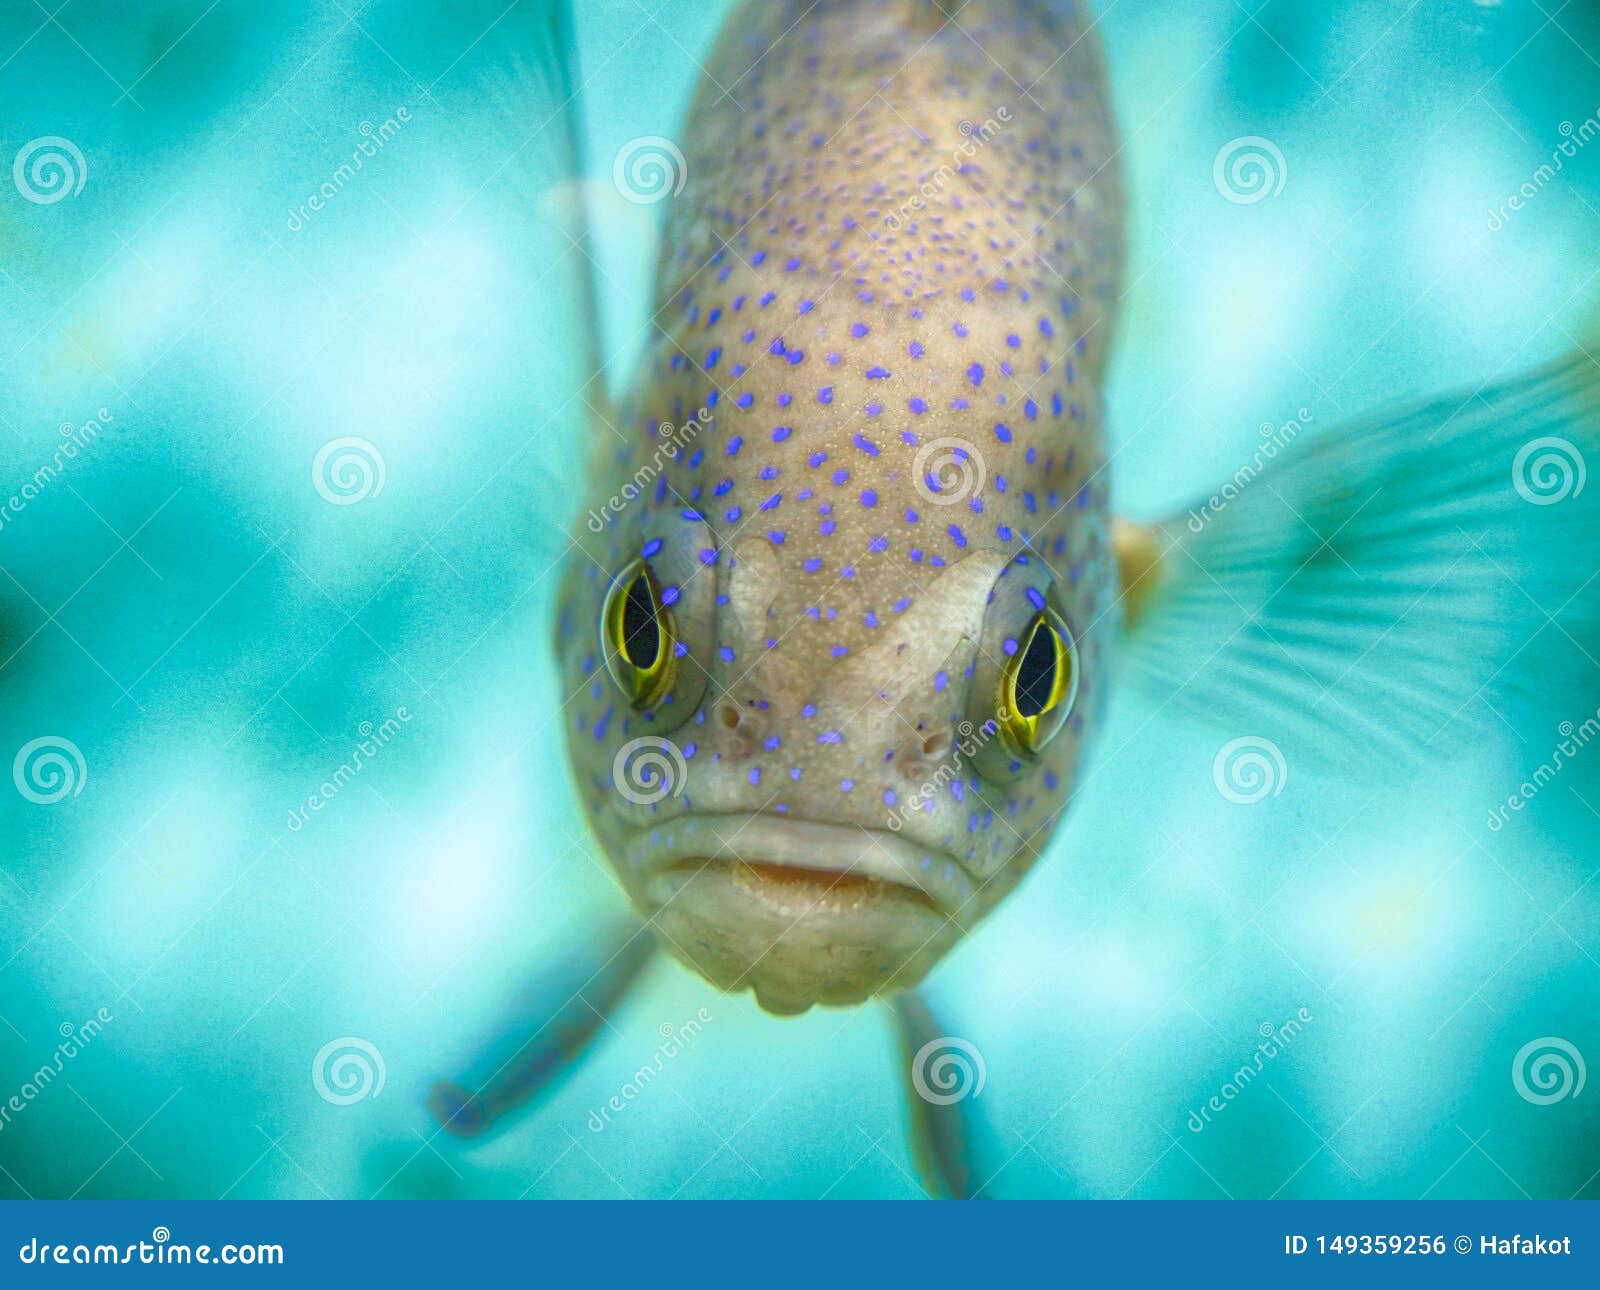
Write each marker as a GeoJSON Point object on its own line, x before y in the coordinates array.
{"type": "Point", "coordinates": [823, 888]}
{"type": "Point", "coordinates": [778, 853]}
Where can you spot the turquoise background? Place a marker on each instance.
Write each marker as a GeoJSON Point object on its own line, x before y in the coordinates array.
{"type": "Point", "coordinates": [184, 606]}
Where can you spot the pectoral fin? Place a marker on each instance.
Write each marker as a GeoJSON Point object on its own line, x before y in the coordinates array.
{"type": "Point", "coordinates": [548, 1031]}
{"type": "Point", "coordinates": [944, 1077]}
{"type": "Point", "coordinates": [1376, 582]}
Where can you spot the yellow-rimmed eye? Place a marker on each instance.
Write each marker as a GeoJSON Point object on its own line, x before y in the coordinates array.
{"type": "Point", "coordinates": [638, 638]}
{"type": "Point", "coordinates": [1038, 685]}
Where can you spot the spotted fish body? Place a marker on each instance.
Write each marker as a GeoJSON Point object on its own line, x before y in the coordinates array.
{"type": "Point", "coordinates": [901, 228]}
{"type": "Point", "coordinates": [866, 448]}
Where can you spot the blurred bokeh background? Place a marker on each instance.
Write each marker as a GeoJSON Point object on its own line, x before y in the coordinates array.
{"type": "Point", "coordinates": [183, 605]}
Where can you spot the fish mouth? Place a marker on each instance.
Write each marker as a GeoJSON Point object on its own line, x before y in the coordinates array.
{"type": "Point", "coordinates": [800, 911]}
{"type": "Point", "coordinates": [799, 892]}
{"type": "Point", "coordinates": [796, 860]}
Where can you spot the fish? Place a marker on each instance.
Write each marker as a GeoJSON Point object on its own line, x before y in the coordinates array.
{"type": "Point", "coordinates": [841, 646]}
{"type": "Point", "coordinates": [846, 596]}
{"type": "Point", "coordinates": [862, 490]}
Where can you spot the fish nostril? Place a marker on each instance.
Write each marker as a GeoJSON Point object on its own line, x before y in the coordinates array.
{"type": "Point", "coordinates": [727, 715]}
{"type": "Point", "coordinates": [936, 745]}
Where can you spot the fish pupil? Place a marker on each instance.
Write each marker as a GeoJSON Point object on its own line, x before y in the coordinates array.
{"type": "Point", "coordinates": [1036, 674]}
{"type": "Point", "coordinates": [641, 635]}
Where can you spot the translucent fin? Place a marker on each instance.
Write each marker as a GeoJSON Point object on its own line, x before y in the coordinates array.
{"type": "Point", "coordinates": [548, 1031]}
{"type": "Point", "coordinates": [944, 1076]}
{"type": "Point", "coordinates": [524, 65]}
{"type": "Point", "coordinates": [1374, 583]}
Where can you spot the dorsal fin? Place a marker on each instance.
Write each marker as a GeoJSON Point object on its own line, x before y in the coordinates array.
{"type": "Point", "coordinates": [525, 67]}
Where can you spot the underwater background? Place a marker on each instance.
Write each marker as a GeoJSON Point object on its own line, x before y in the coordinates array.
{"type": "Point", "coordinates": [324, 463]}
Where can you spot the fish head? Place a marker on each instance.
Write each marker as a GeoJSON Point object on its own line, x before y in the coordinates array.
{"type": "Point", "coordinates": [828, 693]}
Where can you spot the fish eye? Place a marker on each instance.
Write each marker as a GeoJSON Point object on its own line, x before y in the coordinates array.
{"type": "Point", "coordinates": [1038, 685]}
{"type": "Point", "coordinates": [639, 637]}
